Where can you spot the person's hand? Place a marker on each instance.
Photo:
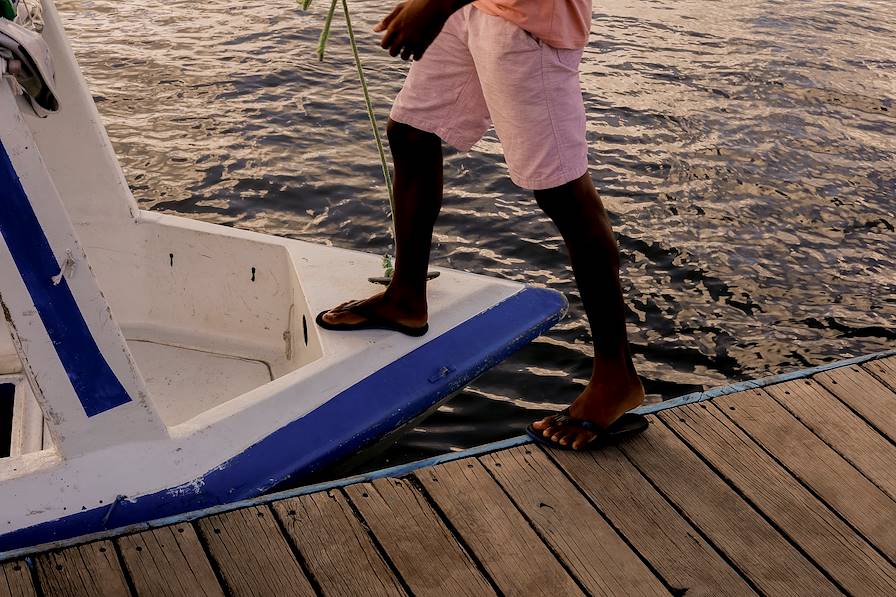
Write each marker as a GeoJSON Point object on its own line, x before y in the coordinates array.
{"type": "Point", "coordinates": [413, 25]}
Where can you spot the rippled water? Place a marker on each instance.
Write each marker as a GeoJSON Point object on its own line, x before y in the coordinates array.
{"type": "Point", "coordinates": [747, 152]}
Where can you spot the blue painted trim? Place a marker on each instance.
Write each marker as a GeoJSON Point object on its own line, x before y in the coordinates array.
{"type": "Point", "coordinates": [93, 380]}
{"type": "Point", "coordinates": [357, 417]}
{"type": "Point", "coordinates": [406, 469]}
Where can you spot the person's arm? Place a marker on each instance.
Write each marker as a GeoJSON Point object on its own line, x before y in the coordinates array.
{"type": "Point", "coordinates": [413, 25]}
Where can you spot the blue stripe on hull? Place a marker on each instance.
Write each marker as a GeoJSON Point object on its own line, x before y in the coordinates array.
{"type": "Point", "coordinates": [357, 417]}
{"type": "Point", "coordinates": [94, 382]}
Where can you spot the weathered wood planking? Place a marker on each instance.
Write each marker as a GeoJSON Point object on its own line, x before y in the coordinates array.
{"type": "Point", "coordinates": [512, 554]}
{"type": "Point", "coordinates": [883, 369]}
{"type": "Point", "coordinates": [589, 547]}
{"type": "Point", "coordinates": [831, 543]}
{"type": "Point", "coordinates": [811, 460]}
{"type": "Point", "coordinates": [675, 549]}
{"type": "Point", "coordinates": [90, 569]}
{"type": "Point", "coordinates": [252, 555]}
{"type": "Point", "coordinates": [731, 524]}
{"type": "Point", "coordinates": [840, 428]}
{"type": "Point", "coordinates": [863, 393]}
{"type": "Point", "coordinates": [786, 490]}
{"type": "Point", "coordinates": [15, 580]}
{"type": "Point", "coordinates": [420, 546]}
{"type": "Point", "coordinates": [336, 547]}
{"type": "Point", "coordinates": [169, 562]}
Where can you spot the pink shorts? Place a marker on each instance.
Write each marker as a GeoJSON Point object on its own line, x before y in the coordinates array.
{"type": "Point", "coordinates": [483, 69]}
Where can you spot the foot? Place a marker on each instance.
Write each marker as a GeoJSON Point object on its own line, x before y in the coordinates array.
{"type": "Point", "coordinates": [411, 314]}
{"type": "Point", "coordinates": [601, 403]}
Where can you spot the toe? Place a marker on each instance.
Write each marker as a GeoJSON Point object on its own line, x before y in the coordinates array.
{"type": "Point", "coordinates": [338, 307]}
{"type": "Point", "coordinates": [344, 306]}
{"type": "Point", "coordinates": [571, 435]}
{"type": "Point", "coordinates": [544, 423]}
{"type": "Point", "coordinates": [567, 438]}
{"type": "Point", "coordinates": [582, 439]}
{"type": "Point", "coordinates": [343, 314]}
{"type": "Point", "coordinates": [550, 431]}
{"type": "Point", "coordinates": [334, 316]}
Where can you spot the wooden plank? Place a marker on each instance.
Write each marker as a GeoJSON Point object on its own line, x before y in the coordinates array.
{"type": "Point", "coordinates": [252, 555]}
{"type": "Point", "coordinates": [420, 546]}
{"type": "Point", "coordinates": [168, 561]}
{"type": "Point", "coordinates": [90, 569]}
{"type": "Point", "coordinates": [772, 564]}
{"type": "Point", "coordinates": [586, 543]}
{"type": "Point", "coordinates": [495, 531]}
{"type": "Point", "coordinates": [867, 396]}
{"type": "Point", "coordinates": [660, 534]}
{"type": "Point", "coordinates": [335, 546]}
{"type": "Point", "coordinates": [840, 428]}
{"type": "Point", "coordinates": [15, 580]}
{"type": "Point", "coordinates": [829, 476]}
{"type": "Point", "coordinates": [884, 369]}
{"type": "Point", "coordinates": [830, 542]}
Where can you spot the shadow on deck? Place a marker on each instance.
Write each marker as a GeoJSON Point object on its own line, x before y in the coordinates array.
{"type": "Point", "coordinates": [784, 489]}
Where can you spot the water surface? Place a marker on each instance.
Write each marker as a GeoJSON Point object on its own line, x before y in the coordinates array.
{"type": "Point", "coordinates": [747, 152]}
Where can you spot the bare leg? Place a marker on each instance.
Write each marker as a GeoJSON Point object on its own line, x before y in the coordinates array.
{"type": "Point", "coordinates": [417, 156]}
{"type": "Point", "coordinates": [614, 388]}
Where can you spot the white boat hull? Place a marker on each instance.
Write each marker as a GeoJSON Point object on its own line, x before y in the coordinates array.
{"type": "Point", "coordinates": [164, 364]}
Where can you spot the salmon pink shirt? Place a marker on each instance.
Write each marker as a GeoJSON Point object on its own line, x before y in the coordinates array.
{"type": "Point", "coordinates": [563, 24]}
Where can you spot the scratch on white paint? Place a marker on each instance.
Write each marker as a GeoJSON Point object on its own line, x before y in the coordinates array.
{"type": "Point", "coordinates": [67, 267]}
{"type": "Point", "coordinates": [194, 487]}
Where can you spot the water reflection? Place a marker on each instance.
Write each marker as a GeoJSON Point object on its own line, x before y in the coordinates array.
{"type": "Point", "coordinates": [746, 150]}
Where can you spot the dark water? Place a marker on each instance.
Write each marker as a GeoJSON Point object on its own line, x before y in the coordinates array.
{"type": "Point", "coordinates": [747, 152]}
{"type": "Point", "coordinates": [7, 392]}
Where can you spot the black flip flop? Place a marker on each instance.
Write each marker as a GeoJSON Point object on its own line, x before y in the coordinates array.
{"type": "Point", "coordinates": [371, 322]}
{"type": "Point", "coordinates": [626, 426]}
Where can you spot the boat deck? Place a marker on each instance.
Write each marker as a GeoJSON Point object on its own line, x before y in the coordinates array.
{"type": "Point", "coordinates": [779, 488]}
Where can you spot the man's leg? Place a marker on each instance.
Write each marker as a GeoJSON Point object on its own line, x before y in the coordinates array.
{"type": "Point", "coordinates": [577, 211]}
{"type": "Point", "coordinates": [417, 156]}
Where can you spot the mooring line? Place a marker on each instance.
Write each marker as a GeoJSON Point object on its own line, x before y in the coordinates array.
{"type": "Point", "coordinates": [321, 50]}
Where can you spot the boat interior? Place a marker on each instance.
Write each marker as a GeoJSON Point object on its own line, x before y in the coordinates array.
{"type": "Point", "coordinates": [206, 316]}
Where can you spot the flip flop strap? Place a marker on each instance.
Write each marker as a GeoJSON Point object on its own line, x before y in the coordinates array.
{"type": "Point", "coordinates": [567, 420]}
{"type": "Point", "coordinates": [372, 317]}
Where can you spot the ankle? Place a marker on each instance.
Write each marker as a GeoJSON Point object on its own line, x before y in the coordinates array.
{"type": "Point", "coordinates": [408, 299]}
{"type": "Point", "coordinates": [618, 364]}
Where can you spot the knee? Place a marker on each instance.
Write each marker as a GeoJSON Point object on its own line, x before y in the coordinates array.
{"type": "Point", "coordinates": [549, 204]}
{"type": "Point", "coordinates": [577, 211]}
{"type": "Point", "coordinates": [576, 202]}
{"type": "Point", "coordinates": [404, 135]}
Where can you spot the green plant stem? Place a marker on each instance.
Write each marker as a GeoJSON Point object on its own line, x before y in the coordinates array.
{"type": "Point", "coordinates": [325, 33]}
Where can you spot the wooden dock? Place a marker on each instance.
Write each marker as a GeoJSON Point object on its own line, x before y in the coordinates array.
{"type": "Point", "coordinates": [788, 489]}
